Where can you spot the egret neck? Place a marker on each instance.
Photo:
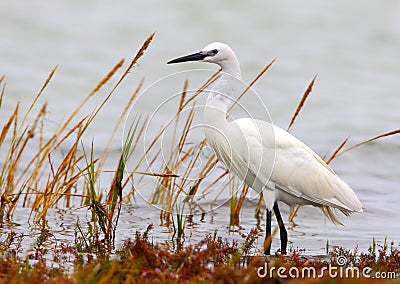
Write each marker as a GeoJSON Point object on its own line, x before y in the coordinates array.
{"type": "Point", "coordinates": [220, 97]}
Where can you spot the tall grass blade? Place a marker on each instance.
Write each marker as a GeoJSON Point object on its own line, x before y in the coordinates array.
{"type": "Point", "coordinates": [259, 75]}
{"type": "Point", "coordinates": [334, 154]}
{"type": "Point", "coordinates": [115, 192]}
{"type": "Point", "coordinates": [301, 103]}
{"type": "Point", "coordinates": [3, 89]}
{"type": "Point", "coordinates": [390, 133]}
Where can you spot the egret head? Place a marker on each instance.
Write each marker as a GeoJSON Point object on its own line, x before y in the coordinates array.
{"type": "Point", "coordinates": [215, 52]}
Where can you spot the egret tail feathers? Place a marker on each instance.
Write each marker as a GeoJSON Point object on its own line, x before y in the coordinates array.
{"type": "Point", "coordinates": [330, 213]}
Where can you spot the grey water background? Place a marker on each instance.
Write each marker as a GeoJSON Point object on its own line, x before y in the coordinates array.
{"type": "Point", "coordinates": [353, 46]}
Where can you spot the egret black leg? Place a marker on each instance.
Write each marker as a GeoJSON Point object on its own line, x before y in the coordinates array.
{"type": "Point", "coordinates": [268, 237]}
{"type": "Point", "coordinates": [282, 229]}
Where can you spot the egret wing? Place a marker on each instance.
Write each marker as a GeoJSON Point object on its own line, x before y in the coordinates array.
{"type": "Point", "coordinates": [297, 170]}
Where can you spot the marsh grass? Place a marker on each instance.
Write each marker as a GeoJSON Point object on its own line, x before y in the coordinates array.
{"type": "Point", "coordinates": [43, 182]}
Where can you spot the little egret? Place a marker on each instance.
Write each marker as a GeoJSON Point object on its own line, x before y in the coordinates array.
{"type": "Point", "coordinates": [266, 157]}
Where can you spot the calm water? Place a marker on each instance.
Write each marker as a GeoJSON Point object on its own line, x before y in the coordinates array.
{"type": "Point", "coordinates": [353, 46]}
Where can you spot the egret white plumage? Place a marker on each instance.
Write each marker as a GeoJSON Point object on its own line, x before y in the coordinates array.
{"type": "Point", "coordinates": [267, 158]}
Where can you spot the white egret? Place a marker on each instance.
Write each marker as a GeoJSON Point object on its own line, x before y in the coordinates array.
{"type": "Point", "coordinates": [266, 157]}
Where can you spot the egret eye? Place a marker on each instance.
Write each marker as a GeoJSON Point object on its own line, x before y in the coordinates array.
{"type": "Point", "coordinates": [213, 52]}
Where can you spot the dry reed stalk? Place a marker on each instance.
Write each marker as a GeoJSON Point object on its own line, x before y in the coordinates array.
{"type": "Point", "coordinates": [139, 54]}
{"type": "Point", "coordinates": [107, 77]}
{"type": "Point", "coordinates": [152, 143]}
{"type": "Point", "coordinates": [208, 188]}
{"type": "Point", "coordinates": [35, 181]}
{"type": "Point", "coordinates": [259, 75]}
{"type": "Point", "coordinates": [40, 93]}
{"type": "Point", "coordinates": [162, 190]}
{"type": "Point", "coordinates": [174, 160]}
{"type": "Point", "coordinates": [69, 182]}
{"type": "Point", "coordinates": [167, 187]}
{"type": "Point", "coordinates": [18, 136]}
{"type": "Point", "coordinates": [7, 126]}
{"type": "Point", "coordinates": [43, 152]}
{"type": "Point", "coordinates": [258, 207]}
{"type": "Point", "coordinates": [183, 158]}
{"type": "Point", "coordinates": [3, 89]}
{"type": "Point", "coordinates": [5, 193]}
{"type": "Point", "coordinates": [163, 128]}
{"type": "Point", "coordinates": [228, 183]}
{"type": "Point", "coordinates": [290, 127]}
{"type": "Point", "coordinates": [149, 165]}
{"type": "Point", "coordinates": [294, 210]}
{"type": "Point", "coordinates": [176, 189]}
{"type": "Point", "coordinates": [122, 115]}
{"type": "Point", "coordinates": [183, 96]}
{"type": "Point", "coordinates": [64, 171]}
{"type": "Point", "coordinates": [83, 102]}
{"type": "Point", "coordinates": [29, 135]}
{"type": "Point", "coordinates": [301, 103]}
{"type": "Point", "coordinates": [57, 136]}
{"type": "Point", "coordinates": [157, 174]}
{"type": "Point", "coordinates": [210, 164]}
{"type": "Point", "coordinates": [180, 159]}
{"type": "Point", "coordinates": [59, 183]}
{"type": "Point", "coordinates": [203, 87]}
{"type": "Point", "coordinates": [189, 170]}
{"type": "Point", "coordinates": [18, 146]}
{"type": "Point", "coordinates": [173, 166]}
{"type": "Point", "coordinates": [177, 117]}
{"type": "Point", "coordinates": [390, 133]}
{"type": "Point", "coordinates": [163, 184]}
{"type": "Point", "coordinates": [327, 161]}
{"type": "Point", "coordinates": [174, 156]}
{"type": "Point", "coordinates": [239, 204]}
{"type": "Point", "coordinates": [186, 129]}
{"type": "Point", "coordinates": [70, 165]}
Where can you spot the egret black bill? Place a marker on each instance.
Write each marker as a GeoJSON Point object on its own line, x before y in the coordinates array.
{"type": "Point", "coordinates": [191, 57]}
